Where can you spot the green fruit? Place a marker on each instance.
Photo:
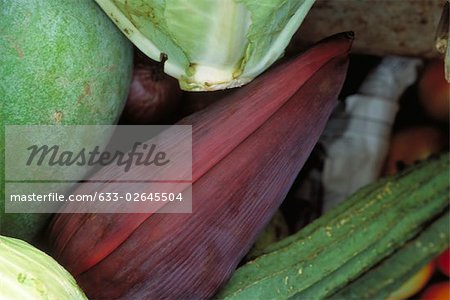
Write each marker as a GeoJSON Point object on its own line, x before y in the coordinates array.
{"type": "Point", "coordinates": [62, 62]}
{"type": "Point", "coordinates": [388, 276]}
{"type": "Point", "coordinates": [348, 241]}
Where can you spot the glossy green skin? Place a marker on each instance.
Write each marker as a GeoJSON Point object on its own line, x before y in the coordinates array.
{"type": "Point", "coordinates": [62, 62]}
{"type": "Point", "coordinates": [343, 244]}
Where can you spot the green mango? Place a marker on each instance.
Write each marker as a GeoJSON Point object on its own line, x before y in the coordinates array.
{"type": "Point", "coordinates": [62, 62]}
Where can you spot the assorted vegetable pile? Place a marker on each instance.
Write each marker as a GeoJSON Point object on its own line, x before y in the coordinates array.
{"type": "Point", "coordinates": [219, 228]}
{"type": "Point", "coordinates": [68, 63]}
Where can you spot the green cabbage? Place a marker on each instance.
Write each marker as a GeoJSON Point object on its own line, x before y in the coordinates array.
{"type": "Point", "coordinates": [209, 44]}
{"type": "Point", "coordinates": [28, 273]}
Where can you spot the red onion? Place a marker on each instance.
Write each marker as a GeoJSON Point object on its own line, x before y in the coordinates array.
{"type": "Point", "coordinates": [153, 97]}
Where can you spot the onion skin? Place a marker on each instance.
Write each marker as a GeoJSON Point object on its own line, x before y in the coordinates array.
{"type": "Point", "coordinates": [434, 91]}
{"type": "Point", "coordinates": [153, 97]}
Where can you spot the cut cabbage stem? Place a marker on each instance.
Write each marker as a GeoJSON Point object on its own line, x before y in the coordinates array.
{"type": "Point", "coordinates": [210, 46]}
